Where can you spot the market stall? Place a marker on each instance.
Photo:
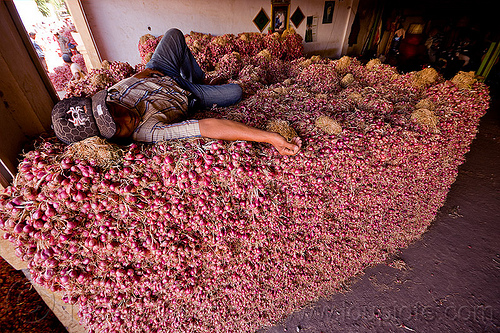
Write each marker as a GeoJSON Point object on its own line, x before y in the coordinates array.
{"type": "Point", "coordinates": [198, 235]}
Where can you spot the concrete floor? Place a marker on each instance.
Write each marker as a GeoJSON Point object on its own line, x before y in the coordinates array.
{"type": "Point", "coordinates": [448, 281]}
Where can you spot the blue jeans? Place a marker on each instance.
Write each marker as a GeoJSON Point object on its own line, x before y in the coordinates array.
{"type": "Point", "coordinates": [173, 58]}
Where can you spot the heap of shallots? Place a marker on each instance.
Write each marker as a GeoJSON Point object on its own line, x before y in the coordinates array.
{"type": "Point", "coordinates": [198, 235]}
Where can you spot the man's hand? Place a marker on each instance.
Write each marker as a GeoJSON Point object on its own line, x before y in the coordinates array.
{"type": "Point", "coordinates": [287, 148]}
{"type": "Point", "coordinates": [212, 79]}
{"type": "Point", "coordinates": [148, 72]}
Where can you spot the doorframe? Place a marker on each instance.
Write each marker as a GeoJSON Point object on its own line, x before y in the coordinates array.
{"type": "Point", "coordinates": [26, 93]}
{"type": "Point", "coordinates": [90, 52]}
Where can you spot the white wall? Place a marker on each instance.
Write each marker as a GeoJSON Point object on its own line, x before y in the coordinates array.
{"type": "Point", "coordinates": [117, 25]}
{"type": "Point", "coordinates": [332, 37]}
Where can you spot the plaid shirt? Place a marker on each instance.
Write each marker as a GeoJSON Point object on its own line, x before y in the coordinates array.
{"type": "Point", "coordinates": [160, 102]}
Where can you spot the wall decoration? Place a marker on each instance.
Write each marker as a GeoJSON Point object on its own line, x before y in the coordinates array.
{"type": "Point", "coordinates": [261, 20]}
{"type": "Point", "coordinates": [297, 17]}
{"type": "Point", "coordinates": [280, 2]}
{"type": "Point", "coordinates": [311, 29]}
{"type": "Point", "coordinates": [280, 21]}
{"type": "Point", "coordinates": [328, 12]}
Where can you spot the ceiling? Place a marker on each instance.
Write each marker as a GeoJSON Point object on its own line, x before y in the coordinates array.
{"type": "Point", "coordinates": [479, 13]}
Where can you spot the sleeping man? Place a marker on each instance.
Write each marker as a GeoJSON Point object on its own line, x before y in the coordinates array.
{"type": "Point", "coordinates": [155, 104]}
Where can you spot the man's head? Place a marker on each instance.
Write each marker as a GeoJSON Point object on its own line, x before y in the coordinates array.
{"type": "Point", "coordinates": [126, 120]}
{"type": "Point", "coordinates": [67, 58]}
{"type": "Point", "coordinates": [78, 118]}
{"type": "Point", "coordinates": [32, 35]}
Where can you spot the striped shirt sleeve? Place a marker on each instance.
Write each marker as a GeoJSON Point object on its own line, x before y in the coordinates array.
{"type": "Point", "coordinates": [154, 130]}
{"type": "Point", "coordinates": [162, 105]}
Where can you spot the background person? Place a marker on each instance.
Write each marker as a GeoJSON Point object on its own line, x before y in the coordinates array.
{"type": "Point", "coordinates": [39, 50]}
{"type": "Point", "coordinates": [63, 44]}
{"type": "Point", "coordinates": [76, 70]}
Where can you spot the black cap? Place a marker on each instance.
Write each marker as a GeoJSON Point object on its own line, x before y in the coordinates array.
{"type": "Point", "coordinates": [78, 118]}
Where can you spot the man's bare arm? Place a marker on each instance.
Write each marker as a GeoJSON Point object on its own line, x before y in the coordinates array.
{"type": "Point", "coordinates": [224, 129]}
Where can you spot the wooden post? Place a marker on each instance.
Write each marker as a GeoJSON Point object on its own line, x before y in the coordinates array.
{"type": "Point", "coordinates": [90, 52]}
{"type": "Point", "coordinates": [353, 8]}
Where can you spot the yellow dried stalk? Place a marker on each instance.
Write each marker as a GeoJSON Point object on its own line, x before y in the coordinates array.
{"type": "Point", "coordinates": [343, 63]}
{"type": "Point", "coordinates": [373, 63]}
{"type": "Point", "coordinates": [219, 40]}
{"type": "Point", "coordinates": [244, 37]}
{"type": "Point", "coordinates": [328, 125]}
{"type": "Point", "coordinates": [395, 76]}
{"type": "Point", "coordinates": [144, 38]}
{"type": "Point", "coordinates": [305, 63]}
{"type": "Point", "coordinates": [196, 45]}
{"type": "Point", "coordinates": [281, 90]}
{"type": "Point", "coordinates": [426, 118]}
{"type": "Point", "coordinates": [425, 77]}
{"type": "Point", "coordinates": [289, 31]}
{"type": "Point", "coordinates": [105, 64]}
{"type": "Point", "coordinates": [275, 35]}
{"type": "Point", "coordinates": [148, 56]}
{"type": "Point", "coordinates": [464, 80]}
{"type": "Point", "coordinates": [355, 97]}
{"type": "Point", "coordinates": [265, 54]}
{"type": "Point", "coordinates": [347, 80]}
{"type": "Point", "coordinates": [315, 58]}
{"type": "Point", "coordinates": [425, 103]}
{"type": "Point", "coordinates": [100, 80]}
{"type": "Point", "coordinates": [103, 153]}
{"type": "Point", "coordinates": [321, 96]}
{"type": "Point", "coordinates": [282, 127]}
